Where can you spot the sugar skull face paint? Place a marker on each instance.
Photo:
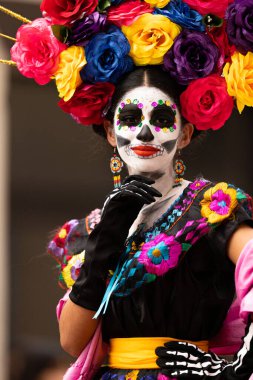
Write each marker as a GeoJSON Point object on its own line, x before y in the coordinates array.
{"type": "Point", "coordinates": [130, 116]}
{"type": "Point", "coordinates": [140, 122]}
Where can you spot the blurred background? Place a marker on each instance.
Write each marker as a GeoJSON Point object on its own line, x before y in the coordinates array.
{"type": "Point", "coordinates": [53, 170]}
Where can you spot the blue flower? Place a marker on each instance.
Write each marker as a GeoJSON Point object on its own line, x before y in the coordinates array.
{"type": "Point", "coordinates": [107, 57]}
{"type": "Point", "coordinates": [180, 13]}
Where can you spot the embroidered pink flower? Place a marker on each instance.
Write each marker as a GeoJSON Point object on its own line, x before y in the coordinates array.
{"type": "Point", "coordinates": [160, 254]}
{"type": "Point", "coordinates": [198, 184]}
{"type": "Point", "coordinates": [57, 246]}
{"type": "Point", "coordinates": [218, 203]}
{"type": "Point", "coordinates": [94, 218]}
{"type": "Point", "coordinates": [36, 51]}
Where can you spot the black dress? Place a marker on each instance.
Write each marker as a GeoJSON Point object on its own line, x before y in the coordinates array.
{"type": "Point", "coordinates": [175, 278]}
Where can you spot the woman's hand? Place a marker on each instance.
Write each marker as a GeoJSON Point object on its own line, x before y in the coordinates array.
{"type": "Point", "coordinates": [187, 361]}
{"type": "Point", "coordinates": [106, 242]}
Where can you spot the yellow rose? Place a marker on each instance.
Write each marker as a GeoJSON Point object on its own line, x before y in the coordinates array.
{"type": "Point", "coordinates": [67, 76]}
{"type": "Point", "coordinates": [150, 37]}
{"type": "Point", "coordinates": [239, 78]}
{"type": "Point", "coordinates": [157, 3]}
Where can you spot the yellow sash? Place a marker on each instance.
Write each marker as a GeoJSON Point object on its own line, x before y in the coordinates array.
{"type": "Point", "coordinates": [139, 353]}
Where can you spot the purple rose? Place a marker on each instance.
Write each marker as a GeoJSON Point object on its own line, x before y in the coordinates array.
{"type": "Point", "coordinates": [83, 30]}
{"type": "Point", "coordinates": [240, 25]}
{"type": "Point", "coordinates": [192, 56]}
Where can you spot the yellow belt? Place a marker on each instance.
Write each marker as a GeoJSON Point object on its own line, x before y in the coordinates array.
{"type": "Point", "coordinates": [139, 353]}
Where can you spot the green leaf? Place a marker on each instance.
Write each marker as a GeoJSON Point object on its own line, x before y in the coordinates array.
{"type": "Point", "coordinates": [240, 195]}
{"type": "Point", "coordinates": [60, 32]}
{"type": "Point", "coordinates": [186, 246]}
{"type": "Point", "coordinates": [102, 5]}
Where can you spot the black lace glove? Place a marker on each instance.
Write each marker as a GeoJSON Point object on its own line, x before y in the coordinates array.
{"type": "Point", "coordinates": [187, 361]}
{"type": "Point", "coordinates": [106, 241]}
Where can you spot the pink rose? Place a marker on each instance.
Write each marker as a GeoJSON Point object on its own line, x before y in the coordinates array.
{"type": "Point", "coordinates": [127, 12]}
{"type": "Point", "coordinates": [63, 12]}
{"type": "Point", "coordinates": [36, 51]}
{"type": "Point", "coordinates": [217, 7]}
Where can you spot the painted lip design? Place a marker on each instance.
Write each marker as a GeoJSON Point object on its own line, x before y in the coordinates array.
{"type": "Point", "coordinates": [144, 151]}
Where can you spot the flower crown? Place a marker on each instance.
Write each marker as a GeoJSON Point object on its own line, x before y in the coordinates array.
{"type": "Point", "coordinates": [86, 46]}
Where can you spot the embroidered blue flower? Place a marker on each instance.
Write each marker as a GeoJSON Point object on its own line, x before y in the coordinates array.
{"type": "Point", "coordinates": [107, 57]}
{"type": "Point", "coordinates": [180, 13]}
{"type": "Point", "coordinates": [160, 255]}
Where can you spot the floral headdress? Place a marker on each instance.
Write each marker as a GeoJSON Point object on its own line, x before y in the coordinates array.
{"type": "Point", "coordinates": [86, 46]}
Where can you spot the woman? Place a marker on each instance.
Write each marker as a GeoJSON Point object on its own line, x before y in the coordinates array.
{"type": "Point", "coordinates": [180, 282]}
{"type": "Point", "coordinates": [160, 259]}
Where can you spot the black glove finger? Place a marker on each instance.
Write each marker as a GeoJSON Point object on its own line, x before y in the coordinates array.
{"type": "Point", "coordinates": [139, 178]}
{"type": "Point", "coordinates": [187, 374]}
{"type": "Point", "coordinates": [148, 188]}
{"type": "Point", "coordinates": [179, 364]}
{"type": "Point", "coordinates": [147, 198]}
{"type": "Point", "coordinates": [185, 347]}
{"type": "Point", "coordinates": [178, 356]}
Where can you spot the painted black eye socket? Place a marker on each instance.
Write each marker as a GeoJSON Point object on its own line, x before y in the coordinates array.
{"type": "Point", "coordinates": [163, 117]}
{"type": "Point", "coordinates": [130, 115]}
{"type": "Point", "coordinates": [130, 120]}
{"type": "Point", "coordinates": [163, 122]}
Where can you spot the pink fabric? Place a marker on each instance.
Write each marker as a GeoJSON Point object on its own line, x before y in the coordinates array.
{"type": "Point", "coordinates": [244, 280]}
{"type": "Point", "coordinates": [93, 355]}
{"type": "Point", "coordinates": [228, 340]}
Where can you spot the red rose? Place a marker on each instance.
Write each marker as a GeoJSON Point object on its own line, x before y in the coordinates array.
{"type": "Point", "coordinates": [88, 103]}
{"type": "Point", "coordinates": [206, 103]}
{"type": "Point", "coordinates": [216, 7]}
{"type": "Point", "coordinates": [63, 12]}
{"type": "Point", "coordinates": [220, 38]}
{"type": "Point", "coordinates": [127, 12]}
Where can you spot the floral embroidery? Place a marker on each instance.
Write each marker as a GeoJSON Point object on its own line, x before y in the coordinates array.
{"type": "Point", "coordinates": [132, 375]}
{"type": "Point", "coordinates": [93, 219]}
{"type": "Point", "coordinates": [160, 254]}
{"type": "Point", "coordinates": [218, 203]}
{"type": "Point", "coordinates": [196, 185]}
{"type": "Point", "coordinates": [71, 271]}
{"type": "Point", "coordinates": [57, 247]}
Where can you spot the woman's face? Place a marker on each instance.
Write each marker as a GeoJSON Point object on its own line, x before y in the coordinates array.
{"type": "Point", "coordinates": [147, 126]}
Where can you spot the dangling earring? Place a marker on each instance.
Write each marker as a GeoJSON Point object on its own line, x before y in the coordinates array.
{"type": "Point", "coordinates": [116, 166]}
{"type": "Point", "coordinates": [180, 169]}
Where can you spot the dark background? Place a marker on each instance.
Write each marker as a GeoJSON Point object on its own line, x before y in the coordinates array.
{"type": "Point", "coordinates": [59, 171]}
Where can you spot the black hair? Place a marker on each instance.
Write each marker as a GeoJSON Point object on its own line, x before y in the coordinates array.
{"type": "Point", "coordinates": [152, 76]}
